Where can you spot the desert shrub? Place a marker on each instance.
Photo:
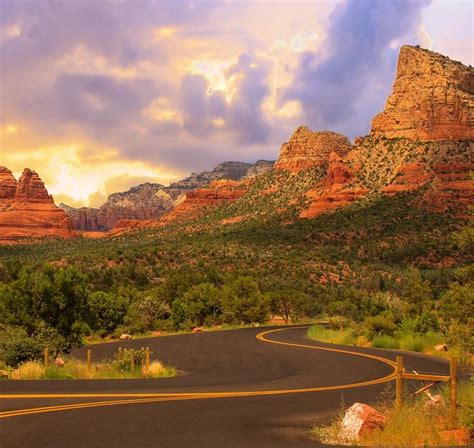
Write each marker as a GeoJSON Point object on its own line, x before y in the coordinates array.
{"type": "Point", "coordinates": [123, 360]}
{"type": "Point", "coordinates": [17, 346]}
{"type": "Point", "coordinates": [156, 369]}
{"type": "Point", "coordinates": [382, 324]}
{"type": "Point", "coordinates": [29, 370]}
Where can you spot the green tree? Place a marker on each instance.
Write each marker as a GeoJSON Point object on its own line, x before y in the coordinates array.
{"type": "Point", "coordinates": [57, 297]}
{"type": "Point", "coordinates": [106, 311]}
{"type": "Point", "coordinates": [417, 293]}
{"type": "Point", "coordinates": [197, 306]}
{"type": "Point", "coordinates": [289, 304]}
{"type": "Point", "coordinates": [242, 301]}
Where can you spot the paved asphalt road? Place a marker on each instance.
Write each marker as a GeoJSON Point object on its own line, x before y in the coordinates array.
{"type": "Point", "coordinates": [268, 412]}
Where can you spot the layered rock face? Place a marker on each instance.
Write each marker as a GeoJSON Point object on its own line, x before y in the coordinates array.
{"type": "Point", "coordinates": [307, 149]}
{"type": "Point", "coordinates": [144, 201]}
{"type": "Point", "coordinates": [336, 190]}
{"type": "Point", "coordinates": [225, 170]}
{"type": "Point", "coordinates": [203, 199]}
{"type": "Point", "coordinates": [432, 99]}
{"type": "Point", "coordinates": [27, 210]}
{"type": "Point", "coordinates": [150, 201]}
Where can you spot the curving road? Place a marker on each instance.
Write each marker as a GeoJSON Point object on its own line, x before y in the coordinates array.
{"type": "Point", "coordinates": [238, 388]}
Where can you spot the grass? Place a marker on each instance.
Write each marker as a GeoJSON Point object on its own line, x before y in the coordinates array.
{"type": "Point", "coordinates": [319, 333]}
{"type": "Point", "coordinates": [75, 369]}
{"type": "Point", "coordinates": [400, 341]}
{"type": "Point", "coordinates": [411, 425]}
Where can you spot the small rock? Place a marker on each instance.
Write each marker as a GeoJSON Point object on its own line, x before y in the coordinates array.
{"type": "Point", "coordinates": [360, 419]}
{"type": "Point", "coordinates": [157, 333]}
{"type": "Point", "coordinates": [3, 374]}
{"type": "Point", "coordinates": [196, 330]}
{"type": "Point", "coordinates": [59, 362]}
{"type": "Point", "coordinates": [441, 347]}
{"type": "Point", "coordinates": [125, 337]}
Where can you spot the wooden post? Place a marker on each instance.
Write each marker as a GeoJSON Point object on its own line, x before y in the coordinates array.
{"type": "Point", "coordinates": [132, 360]}
{"type": "Point", "coordinates": [46, 357]}
{"type": "Point", "coordinates": [399, 382]}
{"type": "Point", "coordinates": [453, 391]}
{"type": "Point", "coordinates": [89, 359]}
{"type": "Point", "coordinates": [147, 358]}
{"type": "Point", "coordinates": [142, 360]}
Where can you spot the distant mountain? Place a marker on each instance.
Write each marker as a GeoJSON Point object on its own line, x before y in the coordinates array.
{"type": "Point", "coordinates": [150, 201]}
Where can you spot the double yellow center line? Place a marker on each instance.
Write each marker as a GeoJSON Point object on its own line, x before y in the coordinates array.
{"type": "Point", "coordinates": [134, 398]}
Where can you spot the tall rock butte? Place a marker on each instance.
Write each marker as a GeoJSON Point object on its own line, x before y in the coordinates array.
{"type": "Point", "coordinates": [27, 210]}
{"type": "Point", "coordinates": [432, 99]}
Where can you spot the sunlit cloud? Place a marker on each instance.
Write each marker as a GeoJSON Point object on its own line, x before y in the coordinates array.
{"type": "Point", "coordinates": [98, 95]}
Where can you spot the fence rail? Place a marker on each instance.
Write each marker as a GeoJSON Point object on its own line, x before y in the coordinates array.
{"type": "Point", "coordinates": [401, 375]}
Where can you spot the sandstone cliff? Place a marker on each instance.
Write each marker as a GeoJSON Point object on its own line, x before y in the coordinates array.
{"type": "Point", "coordinates": [150, 201]}
{"type": "Point", "coordinates": [307, 149]}
{"type": "Point", "coordinates": [422, 139]}
{"type": "Point", "coordinates": [144, 201]}
{"type": "Point", "coordinates": [27, 210]}
{"type": "Point", "coordinates": [432, 99]}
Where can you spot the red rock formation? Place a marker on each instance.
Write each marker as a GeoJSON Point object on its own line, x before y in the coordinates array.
{"type": "Point", "coordinates": [410, 177]}
{"type": "Point", "coordinates": [30, 211]}
{"type": "Point", "coordinates": [203, 199]}
{"type": "Point", "coordinates": [307, 149]}
{"type": "Point", "coordinates": [335, 191]}
{"type": "Point", "coordinates": [8, 184]}
{"type": "Point", "coordinates": [432, 99]}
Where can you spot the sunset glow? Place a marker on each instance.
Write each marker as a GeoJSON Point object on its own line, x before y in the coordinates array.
{"type": "Point", "coordinates": [132, 95]}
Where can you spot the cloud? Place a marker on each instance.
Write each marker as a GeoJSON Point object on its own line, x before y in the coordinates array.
{"type": "Point", "coordinates": [123, 89]}
{"type": "Point", "coordinates": [358, 54]}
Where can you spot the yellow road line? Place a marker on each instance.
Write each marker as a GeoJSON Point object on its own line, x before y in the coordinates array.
{"type": "Point", "coordinates": [156, 397]}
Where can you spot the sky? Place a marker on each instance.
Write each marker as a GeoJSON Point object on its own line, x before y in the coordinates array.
{"type": "Point", "coordinates": [101, 95]}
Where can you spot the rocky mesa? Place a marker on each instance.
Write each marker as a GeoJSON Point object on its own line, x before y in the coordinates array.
{"type": "Point", "coordinates": [27, 210]}
{"type": "Point", "coordinates": [307, 149]}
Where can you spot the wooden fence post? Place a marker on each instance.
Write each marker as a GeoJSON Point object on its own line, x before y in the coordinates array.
{"type": "Point", "coordinates": [46, 357]}
{"type": "Point", "coordinates": [132, 360]}
{"type": "Point", "coordinates": [399, 382]}
{"type": "Point", "coordinates": [453, 391]}
{"type": "Point", "coordinates": [147, 358]}
{"type": "Point", "coordinates": [89, 359]}
{"type": "Point", "coordinates": [142, 357]}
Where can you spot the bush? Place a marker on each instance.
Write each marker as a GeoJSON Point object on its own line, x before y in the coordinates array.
{"type": "Point", "coordinates": [123, 359]}
{"type": "Point", "coordinates": [155, 370]}
{"type": "Point", "coordinates": [29, 370]}
{"type": "Point", "coordinates": [379, 325]}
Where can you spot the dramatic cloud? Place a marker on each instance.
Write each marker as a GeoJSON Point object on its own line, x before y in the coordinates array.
{"type": "Point", "coordinates": [105, 94]}
{"type": "Point", "coordinates": [362, 43]}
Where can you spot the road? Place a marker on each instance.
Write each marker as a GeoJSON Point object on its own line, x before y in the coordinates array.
{"type": "Point", "coordinates": [255, 387]}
